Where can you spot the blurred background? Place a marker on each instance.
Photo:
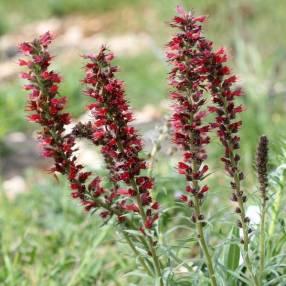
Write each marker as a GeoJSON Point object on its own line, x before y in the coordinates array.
{"type": "Point", "coordinates": [45, 237]}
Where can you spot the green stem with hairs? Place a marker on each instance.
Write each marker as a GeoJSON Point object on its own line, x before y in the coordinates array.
{"type": "Point", "coordinates": [202, 241]}
{"type": "Point", "coordinates": [262, 242]}
{"type": "Point", "coordinates": [149, 239]}
{"type": "Point", "coordinates": [142, 213]}
{"type": "Point", "coordinates": [243, 222]}
{"type": "Point", "coordinates": [132, 246]}
{"type": "Point", "coordinates": [199, 226]}
{"type": "Point", "coordinates": [242, 209]}
{"type": "Point", "coordinates": [275, 212]}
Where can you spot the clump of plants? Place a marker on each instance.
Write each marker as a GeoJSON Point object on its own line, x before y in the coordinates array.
{"type": "Point", "coordinates": [204, 96]}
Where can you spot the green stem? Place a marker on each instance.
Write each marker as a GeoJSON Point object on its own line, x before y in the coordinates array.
{"type": "Point", "coordinates": [149, 239]}
{"type": "Point", "coordinates": [241, 207]}
{"type": "Point", "coordinates": [200, 231]}
{"type": "Point", "coordinates": [128, 221]}
{"type": "Point", "coordinates": [151, 248]}
{"type": "Point", "coordinates": [199, 227]}
{"type": "Point", "coordinates": [203, 244]}
{"type": "Point", "coordinates": [262, 243]}
{"type": "Point", "coordinates": [276, 207]}
{"type": "Point", "coordinates": [244, 226]}
{"type": "Point", "coordinates": [132, 246]}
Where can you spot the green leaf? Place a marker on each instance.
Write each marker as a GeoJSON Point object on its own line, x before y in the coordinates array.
{"type": "Point", "coordinates": [232, 255]}
{"type": "Point", "coordinates": [133, 232]}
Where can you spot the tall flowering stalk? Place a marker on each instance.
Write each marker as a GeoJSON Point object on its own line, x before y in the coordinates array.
{"type": "Point", "coordinates": [47, 107]}
{"type": "Point", "coordinates": [188, 78]}
{"type": "Point", "coordinates": [223, 91]}
{"type": "Point", "coordinates": [110, 129]}
{"type": "Point", "coordinates": [262, 172]}
{"type": "Point", "coordinates": [120, 145]}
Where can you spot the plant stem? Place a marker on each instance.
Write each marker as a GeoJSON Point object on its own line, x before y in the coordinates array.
{"type": "Point", "coordinates": [199, 227]}
{"type": "Point", "coordinates": [203, 243]}
{"type": "Point", "coordinates": [240, 202]}
{"type": "Point", "coordinates": [262, 242]}
{"type": "Point", "coordinates": [243, 222]}
{"type": "Point", "coordinates": [150, 240]}
{"type": "Point", "coordinates": [132, 246]}
{"type": "Point", "coordinates": [128, 221]}
{"type": "Point", "coordinates": [200, 231]}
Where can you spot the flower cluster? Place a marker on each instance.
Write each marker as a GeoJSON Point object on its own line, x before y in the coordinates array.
{"type": "Point", "coordinates": [47, 109]}
{"type": "Point", "coordinates": [120, 144]}
{"type": "Point", "coordinates": [188, 78]}
{"type": "Point", "coordinates": [197, 67]}
{"type": "Point", "coordinates": [261, 165]}
{"type": "Point", "coordinates": [223, 91]}
{"type": "Point", "coordinates": [129, 198]}
{"type": "Point", "coordinates": [210, 66]}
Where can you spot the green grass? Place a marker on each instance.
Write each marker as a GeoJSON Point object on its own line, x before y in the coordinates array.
{"type": "Point", "coordinates": [259, 21]}
{"type": "Point", "coordinates": [47, 239]}
{"type": "Point", "coordinates": [14, 13]}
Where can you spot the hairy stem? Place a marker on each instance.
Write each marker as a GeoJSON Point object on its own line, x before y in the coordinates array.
{"type": "Point", "coordinates": [150, 240]}
{"type": "Point", "coordinates": [199, 226]}
{"type": "Point", "coordinates": [132, 246]}
{"type": "Point", "coordinates": [276, 207]}
{"type": "Point", "coordinates": [241, 207]}
{"type": "Point", "coordinates": [243, 222]}
{"type": "Point", "coordinates": [151, 248]}
{"type": "Point", "coordinates": [262, 242]}
{"type": "Point", "coordinates": [203, 244]}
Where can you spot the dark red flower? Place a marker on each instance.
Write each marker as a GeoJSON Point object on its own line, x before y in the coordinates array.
{"type": "Point", "coordinates": [48, 111]}
{"type": "Point", "coordinates": [120, 144]}
{"type": "Point", "coordinates": [188, 54]}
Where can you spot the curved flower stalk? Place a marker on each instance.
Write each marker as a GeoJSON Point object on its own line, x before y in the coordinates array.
{"type": "Point", "coordinates": [47, 110]}
{"type": "Point", "coordinates": [120, 144]}
{"type": "Point", "coordinates": [188, 78]}
{"type": "Point", "coordinates": [221, 86]}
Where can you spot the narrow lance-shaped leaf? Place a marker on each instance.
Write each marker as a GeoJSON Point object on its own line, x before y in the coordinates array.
{"type": "Point", "coordinates": [232, 255]}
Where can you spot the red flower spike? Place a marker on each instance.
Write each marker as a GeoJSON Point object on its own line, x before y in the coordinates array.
{"type": "Point", "coordinates": [46, 39]}
{"type": "Point", "coordinates": [120, 144]}
{"type": "Point", "coordinates": [215, 76]}
{"type": "Point", "coordinates": [189, 79]}
{"type": "Point", "coordinates": [48, 111]}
